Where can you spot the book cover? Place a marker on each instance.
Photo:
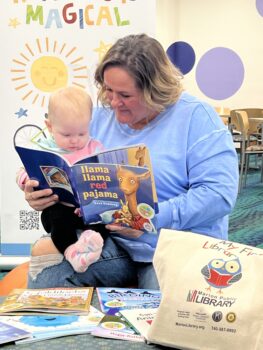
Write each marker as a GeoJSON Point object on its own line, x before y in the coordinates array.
{"type": "Point", "coordinates": [140, 319]}
{"type": "Point", "coordinates": [50, 300]}
{"type": "Point", "coordinates": [9, 333]}
{"type": "Point", "coordinates": [53, 326]}
{"type": "Point", "coordinates": [112, 186]}
{"type": "Point", "coordinates": [113, 193]}
{"type": "Point", "coordinates": [113, 300]}
{"type": "Point", "coordinates": [116, 327]}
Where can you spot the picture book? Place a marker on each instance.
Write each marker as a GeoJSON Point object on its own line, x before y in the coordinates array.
{"type": "Point", "coordinates": [113, 326]}
{"type": "Point", "coordinates": [9, 333]}
{"type": "Point", "coordinates": [50, 300]}
{"type": "Point", "coordinates": [140, 319]}
{"type": "Point", "coordinates": [112, 186]}
{"type": "Point", "coordinates": [53, 326]}
{"type": "Point", "coordinates": [112, 300]}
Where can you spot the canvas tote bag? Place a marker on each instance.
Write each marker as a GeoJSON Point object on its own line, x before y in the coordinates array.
{"type": "Point", "coordinates": [212, 293]}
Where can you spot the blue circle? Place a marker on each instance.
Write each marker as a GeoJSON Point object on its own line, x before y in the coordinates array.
{"type": "Point", "coordinates": [259, 6]}
{"type": "Point", "coordinates": [182, 56]}
{"type": "Point", "coordinates": [220, 73]}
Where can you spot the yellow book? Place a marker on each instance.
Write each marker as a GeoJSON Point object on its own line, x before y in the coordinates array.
{"type": "Point", "coordinates": [47, 300]}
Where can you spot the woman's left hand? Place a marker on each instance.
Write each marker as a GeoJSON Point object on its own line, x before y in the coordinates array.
{"type": "Point", "coordinates": [125, 231]}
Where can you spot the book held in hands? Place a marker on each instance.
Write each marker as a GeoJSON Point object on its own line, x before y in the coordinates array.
{"type": "Point", "coordinates": [114, 186]}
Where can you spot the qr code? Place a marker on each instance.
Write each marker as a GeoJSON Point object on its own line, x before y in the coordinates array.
{"type": "Point", "coordinates": [28, 220]}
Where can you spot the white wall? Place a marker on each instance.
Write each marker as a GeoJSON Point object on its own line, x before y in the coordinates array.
{"type": "Point", "coordinates": [205, 24]}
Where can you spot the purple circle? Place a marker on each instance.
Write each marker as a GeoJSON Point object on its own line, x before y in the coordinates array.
{"type": "Point", "coordinates": [182, 56]}
{"type": "Point", "coordinates": [259, 6]}
{"type": "Point", "coordinates": [219, 73]}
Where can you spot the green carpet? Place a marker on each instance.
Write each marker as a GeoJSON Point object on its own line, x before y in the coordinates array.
{"type": "Point", "coordinates": [246, 220]}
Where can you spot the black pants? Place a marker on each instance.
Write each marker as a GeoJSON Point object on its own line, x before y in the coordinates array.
{"type": "Point", "coordinates": [62, 223]}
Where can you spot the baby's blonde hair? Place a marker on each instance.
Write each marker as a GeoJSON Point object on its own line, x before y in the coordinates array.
{"type": "Point", "coordinates": [69, 100]}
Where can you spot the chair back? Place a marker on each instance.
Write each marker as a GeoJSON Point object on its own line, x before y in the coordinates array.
{"type": "Point", "coordinates": [241, 123]}
{"type": "Point", "coordinates": [252, 113]}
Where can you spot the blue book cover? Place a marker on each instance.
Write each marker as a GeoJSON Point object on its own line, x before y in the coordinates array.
{"type": "Point", "coordinates": [113, 300]}
{"type": "Point", "coordinates": [9, 333]}
{"type": "Point", "coordinates": [112, 186]}
{"type": "Point", "coordinates": [52, 326]}
{"type": "Point", "coordinates": [114, 193]}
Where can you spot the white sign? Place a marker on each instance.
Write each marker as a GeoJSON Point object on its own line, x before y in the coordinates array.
{"type": "Point", "coordinates": [46, 45]}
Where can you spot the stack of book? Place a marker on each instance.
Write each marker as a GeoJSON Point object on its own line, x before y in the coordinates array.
{"type": "Point", "coordinates": [29, 315]}
{"type": "Point", "coordinates": [128, 313]}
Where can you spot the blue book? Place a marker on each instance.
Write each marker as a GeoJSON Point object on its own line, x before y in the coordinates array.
{"type": "Point", "coordinates": [113, 300]}
{"type": "Point", "coordinates": [10, 333]}
{"type": "Point", "coordinates": [114, 186]}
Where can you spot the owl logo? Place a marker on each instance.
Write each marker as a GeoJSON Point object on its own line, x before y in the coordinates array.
{"type": "Point", "coordinates": [219, 273]}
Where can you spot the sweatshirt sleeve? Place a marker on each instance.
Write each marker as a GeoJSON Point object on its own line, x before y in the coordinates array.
{"type": "Point", "coordinates": [213, 183]}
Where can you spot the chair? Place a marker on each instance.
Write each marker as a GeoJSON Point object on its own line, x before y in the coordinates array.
{"type": "Point", "coordinates": [245, 141]}
{"type": "Point", "coordinates": [224, 113]}
{"type": "Point", "coordinates": [255, 126]}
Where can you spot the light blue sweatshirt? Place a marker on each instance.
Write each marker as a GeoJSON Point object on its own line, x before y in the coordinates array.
{"type": "Point", "coordinates": [194, 164]}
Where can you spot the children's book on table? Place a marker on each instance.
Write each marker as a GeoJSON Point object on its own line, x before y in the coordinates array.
{"type": "Point", "coordinates": [113, 300]}
{"type": "Point", "coordinates": [47, 326]}
{"type": "Point", "coordinates": [112, 186]}
{"type": "Point", "coordinates": [47, 300]}
{"type": "Point", "coordinates": [116, 327]}
{"type": "Point", "coordinates": [9, 333]}
{"type": "Point", "coordinates": [139, 319]}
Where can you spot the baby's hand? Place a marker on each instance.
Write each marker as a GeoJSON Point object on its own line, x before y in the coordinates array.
{"type": "Point", "coordinates": [125, 231]}
{"type": "Point", "coordinates": [78, 212]}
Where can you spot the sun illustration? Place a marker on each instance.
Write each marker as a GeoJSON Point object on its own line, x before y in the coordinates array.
{"type": "Point", "coordinates": [45, 67]}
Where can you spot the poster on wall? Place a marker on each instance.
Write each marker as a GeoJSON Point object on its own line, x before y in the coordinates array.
{"type": "Point", "coordinates": [47, 45]}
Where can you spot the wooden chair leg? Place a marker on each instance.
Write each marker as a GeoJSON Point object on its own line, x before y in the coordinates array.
{"type": "Point", "coordinates": [242, 161]}
{"type": "Point", "coordinates": [261, 164]}
{"type": "Point", "coordinates": [246, 169]}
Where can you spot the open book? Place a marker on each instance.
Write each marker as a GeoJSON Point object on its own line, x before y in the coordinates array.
{"type": "Point", "coordinates": [48, 300]}
{"type": "Point", "coordinates": [113, 186]}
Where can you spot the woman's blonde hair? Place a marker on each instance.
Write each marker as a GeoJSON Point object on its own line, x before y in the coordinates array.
{"type": "Point", "coordinates": [145, 60]}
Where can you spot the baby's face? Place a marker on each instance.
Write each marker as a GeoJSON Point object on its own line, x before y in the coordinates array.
{"type": "Point", "coordinates": [71, 134]}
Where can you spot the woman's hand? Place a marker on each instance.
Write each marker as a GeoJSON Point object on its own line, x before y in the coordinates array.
{"type": "Point", "coordinates": [40, 199]}
{"type": "Point", "coordinates": [125, 231]}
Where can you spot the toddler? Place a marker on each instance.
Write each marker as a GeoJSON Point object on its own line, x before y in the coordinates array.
{"type": "Point", "coordinates": [69, 115]}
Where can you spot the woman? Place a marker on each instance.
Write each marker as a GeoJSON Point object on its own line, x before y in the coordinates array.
{"type": "Point", "coordinates": [193, 157]}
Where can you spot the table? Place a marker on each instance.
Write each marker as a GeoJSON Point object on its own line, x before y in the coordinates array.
{"type": "Point", "coordinates": [84, 341]}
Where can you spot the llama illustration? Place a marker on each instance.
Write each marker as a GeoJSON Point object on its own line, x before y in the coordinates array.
{"type": "Point", "coordinates": [140, 155]}
{"type": "Point", "coordinates": [129, 183]}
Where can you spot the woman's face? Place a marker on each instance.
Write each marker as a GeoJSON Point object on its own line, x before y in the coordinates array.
{"type": "Point", "coordinates": [126, 99]}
